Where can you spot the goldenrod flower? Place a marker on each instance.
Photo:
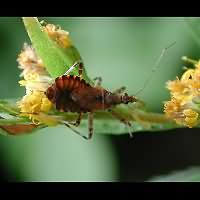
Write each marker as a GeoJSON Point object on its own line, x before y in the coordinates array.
{"type": "Point", "coordinates": [34, 102]}
{"type": "Point", "coordinates": [30, 62]}
{"type": "Point", "coordinates": [173, 110]}
{"type": "Point", "coordinates": [191, 117]}
{"type": "Point", "coordinates": [36, 80]}
{"type": "Point", "coordinates": [179, 90]}
{"type": "Point", "coordinates": [184, 107]}
{"type": "Point", "coordinates": [42, 118]}
{"type": "Point", "coordinates": [60, 36]}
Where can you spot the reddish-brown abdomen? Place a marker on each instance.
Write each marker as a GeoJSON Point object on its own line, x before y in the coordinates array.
{"type": "Point", "coordinates": [69, 82]}
{"type": "Point", "coordinates": [60, 92]}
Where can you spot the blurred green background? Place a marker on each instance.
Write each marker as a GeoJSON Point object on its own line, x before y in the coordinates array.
{"type": "Point", "coordinates": [123, 52]}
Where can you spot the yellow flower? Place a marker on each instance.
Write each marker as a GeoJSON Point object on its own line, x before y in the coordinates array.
{"type": "Point", "coordinates": [60, 36]}
{"type": "Point", "coordinates": [34, 102]}
{"type": "Point", "coordinates": [178, 89]}
{"type": "Point", "coordinates": [191, 117]}
{"type": "Point", "coordinates": [173, 110]}
{"type": "Point", "coordinates": [184, 106]}
{"type": "Point", "coordinates": [42, 118]}
{"type": "Point", "coordinates": [189, 74]}
{"type": "Point", "coordinates": [36, 82]}
{"type": "Point", "coordinates": [34, 106]}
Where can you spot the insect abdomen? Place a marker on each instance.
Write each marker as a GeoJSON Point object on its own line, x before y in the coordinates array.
{"type": "Point", "coordinates": [69, 82]}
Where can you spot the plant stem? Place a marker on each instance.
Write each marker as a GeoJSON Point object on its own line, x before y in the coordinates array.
{"type": "Point", "coordinates": [14, 121]}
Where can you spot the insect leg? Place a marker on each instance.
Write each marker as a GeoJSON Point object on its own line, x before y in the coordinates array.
{"type": "Point", "coordinates": [98, 81]}
{"type": "Point", "coordinates": [78, 121]}
{"type": "Point", "coordinates": [120, 90]}
{"type": "Point", "coordinates": [123, 120]}
{"type": "Point", "coordinates": [80, 68]}
{"type": "Point", "coordinates": [75, 131]}
{"type": "Point", "coordinates": [90, 125]}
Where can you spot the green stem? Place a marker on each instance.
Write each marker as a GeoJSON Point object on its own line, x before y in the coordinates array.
{"type": "Point", "coordinates": [9, 109]}
{"type": "Point", "coordinates": [153, 117]}
{"type": "Point", "coordinates": [104, 122]}
{"type": "Point", "coordinates": [127, 114]}
{"type": "Point", "coordinates": [189, 60]}
{"type": "Point", "coordinates": [14, 121]}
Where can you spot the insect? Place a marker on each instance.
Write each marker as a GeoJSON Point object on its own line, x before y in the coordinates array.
{"type": "Point", "coordinates": [71, 93]}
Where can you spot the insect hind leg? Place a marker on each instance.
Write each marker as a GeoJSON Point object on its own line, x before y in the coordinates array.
{"type": "Point", "coordinates": [75, 131]}
{"type": "Point", "coordinates": [90, 125]}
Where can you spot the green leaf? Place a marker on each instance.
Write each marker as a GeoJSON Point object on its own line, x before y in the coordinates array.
{"type": "Point", "coordinates": [194, 28]}
{"type": "Point", "coordinates": [56, 59]}
{"type": "Point", "coordinates": [190, 174]}
{"type": "Point", "coordinates": [104, 122]}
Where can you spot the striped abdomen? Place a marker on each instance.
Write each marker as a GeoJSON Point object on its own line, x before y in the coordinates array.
{"type": "Point", "coordinates": [60, 92]}
{"type": "Point", "coordinates": [69, 83]}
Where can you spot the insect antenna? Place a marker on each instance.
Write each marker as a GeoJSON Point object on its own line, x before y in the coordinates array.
{"type": "Point", "coordinates": [155, 67]}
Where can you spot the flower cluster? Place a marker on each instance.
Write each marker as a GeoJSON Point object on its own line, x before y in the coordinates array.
{"type": "Point", "coordinates": [184, 106]}
{"type": "Point", "coordinates": [60, 36]}
{"type": "Point", "coordinates": [36, 80]}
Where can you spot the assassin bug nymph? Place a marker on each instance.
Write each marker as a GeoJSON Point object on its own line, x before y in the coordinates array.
{"type": "Point", "coordinates": [71, 93]}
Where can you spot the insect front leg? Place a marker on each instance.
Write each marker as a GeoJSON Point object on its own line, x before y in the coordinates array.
{"type": "Point", "coordinates": [123, 120]}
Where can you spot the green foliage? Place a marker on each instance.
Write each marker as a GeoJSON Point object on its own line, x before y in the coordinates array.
{"type": "Point", "coordinates": [56, 59]}
{"type": "Point", "coordinates": [194, 28]}
{"type": "Point", "coordinates": [123, 53]}
{"type": "Point", "coordinates": [57, 154]}
{"type": "Point", "coordinates": [104, 122]}
{"type": "Point", "coordinates": [191, 174]}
